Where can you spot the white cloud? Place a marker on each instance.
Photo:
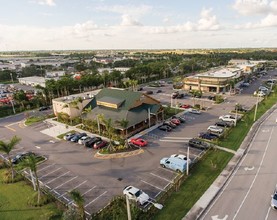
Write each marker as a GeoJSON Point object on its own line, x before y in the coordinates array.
{"type": "Point", "coordinates": [207, 22]}
{"type": "Point", "coordinates": [255, 7]}
{"type": "Point", "coordinates": [127, 20]}
{"type": "Point", "coordinates": [268, 21]}
{"type": "Point", "coordinates": [46, 2]}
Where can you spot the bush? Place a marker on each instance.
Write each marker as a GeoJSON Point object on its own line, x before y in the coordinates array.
{"type": "Point", "coordinates": [219, 99]}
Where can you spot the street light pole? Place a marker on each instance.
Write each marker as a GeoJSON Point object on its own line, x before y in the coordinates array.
{"type": "Point", "coordinates": [256, 108]}
{"type": "Point", "coordinates": [188, 162]}
{"type": "Point", "coordinates": [11, 101]}
{"type": "Point", "coordinates": [236, 114]}
{"type": "Point", "coordinates": [128, 208]}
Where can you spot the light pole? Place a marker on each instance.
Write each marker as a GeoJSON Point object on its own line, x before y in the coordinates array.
{"type": "Point", "coordinates": [128, 208]}
{"type": "Point", "coordinates": [256, 108]}
{"type": "Point", "coordinates": [236, 114]}
{"type": "Point", "coordinates": [11, 101]}
{"type": "Point", "coordinates": [188, 162]}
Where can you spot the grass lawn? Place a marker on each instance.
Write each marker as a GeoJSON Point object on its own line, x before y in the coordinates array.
{"type": "Point", "coordinates": [33, 119]}
{"type": "Point", "coordinates": [202, 176]}
{"type": "Point", "coordinates": [13, 203]}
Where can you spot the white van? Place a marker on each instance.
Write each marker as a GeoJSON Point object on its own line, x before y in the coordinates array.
{"type": "Point", "coordinates": [174, 164]}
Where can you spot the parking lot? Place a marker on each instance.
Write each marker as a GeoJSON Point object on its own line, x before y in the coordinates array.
{"type": "Point", "coordinates": [72, 166]}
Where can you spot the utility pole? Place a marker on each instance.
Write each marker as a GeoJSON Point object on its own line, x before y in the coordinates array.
{"type": "Point", "coordinates": [236, 114]}
{"type": "Point", "coordinates": [188, 162]}
{"type": "Point", "coordinates": [149, 118]}
{"type": "Point", "coordinates": [128, 208]}
{"type": "Point", "coordinates": [256, 108]}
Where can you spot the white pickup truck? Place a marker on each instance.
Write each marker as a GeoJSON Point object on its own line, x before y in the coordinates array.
{"type": "Point", "coordinates": [229, 118]}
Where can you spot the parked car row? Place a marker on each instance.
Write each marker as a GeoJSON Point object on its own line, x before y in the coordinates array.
{"type": "Point", "coordinates": [84, 139]}
{"type": "Point", "coordinates": [172, 123]}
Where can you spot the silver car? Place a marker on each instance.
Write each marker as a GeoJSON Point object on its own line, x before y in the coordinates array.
{"type": "Point", "coordinates": [274, 199]}
{"type": "Point", "coordinates": [136, 194]}
{"type": "Point", "coordinates": [215, 129]}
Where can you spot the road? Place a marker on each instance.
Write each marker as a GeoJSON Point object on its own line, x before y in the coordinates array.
{"type": "Point", "coordinates": [247, 194]}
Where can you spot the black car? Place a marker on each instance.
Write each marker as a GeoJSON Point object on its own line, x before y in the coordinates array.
{"type": "Point", "coordinates": [194, 142]}
{"type": "Point", "coordinates": [76, 137]}
{"type": "Point", "coordinates": [180, 96]}
{"type": "Point", "coordinates": [180, 118]}
{"type": "Point", "coordinates": [43, 108]}
{"type": "Point", "coordinates": [149, 92]}
{"type": "Point", "coordinates": [165, 128]}
{"type": "Point", "coordinates": [170, 124]}
{"type": "Point", "coordinates": [159, 91]}
{"type": "Point", "coordinates": [92, 141]}
{"type": "Point", "coordinates": [211, 97]}
{"type": "Point", "coordinates": [21, 156]}
{"type": "Point", "coordinates": [224, 124]}
{"type": "Point", "coordinates": [208, 136]}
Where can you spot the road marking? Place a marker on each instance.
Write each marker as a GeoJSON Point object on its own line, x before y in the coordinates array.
{"type": "Point", "coordinates": [256, 175]}
{"type": "Point", "coordinates": [10, 128]}
{"type": "Point", "coordinates": [96, 198]}
{"type": "Point", "coordinates": [66, 182]}
{"type": "Point", "coordinates": [57, 177]}
{"type": "Point", "coordinates": [167, 170]}
{"type": "Point", "coordinates": [249, 168]}
{"type": "Point", "coordinates": [152, 185]}
{"type": "Point", "coordinates": [187, 138]}
{"type": "Point", "coordinates": [37, 147]}
{"type": "Point", "coordinates": [153, 174]}
{"type": "Point", "coordinates": [215, 217]}
{"type": "Point", "coordinates": [46, 167]}
{"type": "Point", "coordinates": [265, 130]}
{"type": "Point", "coordinates": [267, 214]}
{"type": "Point", "coordinates": [50, 172]}
{"type": "Point", "coordinates": [51, 141]}
{"type": "Point", "coordinates": [88, 190]}
{"type": "Point", "coordinates": [72, 189]}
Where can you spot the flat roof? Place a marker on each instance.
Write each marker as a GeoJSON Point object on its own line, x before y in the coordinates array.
{"type": "Point", "coordinates": [221, 73]}
{"type": "Point", "coordinates": [84, 95]}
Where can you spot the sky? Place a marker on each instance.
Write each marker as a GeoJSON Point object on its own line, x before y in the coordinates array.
{"type": "Point", "coordinates": [133, 24]}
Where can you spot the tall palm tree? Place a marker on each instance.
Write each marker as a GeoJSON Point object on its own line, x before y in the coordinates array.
{"type": "Point", "coordinates": [124, 123]}
{"type": "Point", "coordinates": [31, 163]}
{"type": "Point", "coordinates": [7, 147]}
{"type": "Point", "coordinates": [108, 127]}
{"type": "Point", "coordinates": [79, 201]}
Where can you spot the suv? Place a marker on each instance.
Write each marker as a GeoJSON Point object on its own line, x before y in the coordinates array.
{"type": "Point", "coordinates": [228, 118]}
{"type": "Point", "coordinates": [136, 194]}
{"type": "Point", "coordinates": [92, 141]}
{"type": "Point", "coordinates": [215, 129]}
{"type": "Point", "coordinates": [21, 156]}
{"type": "Point", "coordinates": [194, 142]}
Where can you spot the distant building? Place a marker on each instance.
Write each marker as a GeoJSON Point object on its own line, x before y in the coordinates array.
{"type": "Point", "coordinates": [212, 81]}
{"type": "Point", "coordinates": [32, 81]}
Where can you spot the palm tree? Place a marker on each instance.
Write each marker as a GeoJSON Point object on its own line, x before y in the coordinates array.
{"type": "Point", "coordinates": [7, 147]}
{"type": "Point", "coordinates": [108, 127]}
{"type": "Point", "coordinates": [124, 123]}
{"type": "Point", "coordinates": [79, 201]}
{"type": "Point", "coordinates": [74, 104]}
{"type": "Point", "coordinates": [31, 163]}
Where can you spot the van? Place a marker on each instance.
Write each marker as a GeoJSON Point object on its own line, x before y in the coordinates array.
{"type": "Point", "coordinates": [174, 164]}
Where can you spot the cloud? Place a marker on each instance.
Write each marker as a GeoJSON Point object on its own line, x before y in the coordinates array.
{"type": "Point", "coordinates": [127, 20]}
{"type": "Point", "coordinates": [255, 7]}
{"type": "Point", "coordinates": [268, 21]}
{"type": "Point", "coordinates": [206, 22]}
{"type": "Point", "coordinates": [45, 2]}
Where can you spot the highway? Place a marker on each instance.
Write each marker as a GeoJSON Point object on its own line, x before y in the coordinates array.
{"type": "Point", "coordinates": [248, 192]}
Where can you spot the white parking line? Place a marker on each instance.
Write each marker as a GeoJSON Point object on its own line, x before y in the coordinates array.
{"type": "Point", "coordinates": [167, 170]}
{"type": "Point", "coordinates": [50, 173]}
{"type": "Point", "coordinates": [180, 141]}
{"type": "Point", "coordinates": [66, 182]}
{"type": "Point", "coordinates": [95, 199]}
{"type": "Point", "coordinates": [57, 177]}
{"type": "Point", "coordinates": [55, 192]}
{"type": "Point", "coordinates": [66, 198]}
{"type": "Point", "coordinates": [46, 167]}
{"type": "Point", "coordinates": [153, 174]}
{"type": "Point", "coordinates": [88, 191]}
{"type": "Point", "coordinates": [188, 138]}
{"type": "Point", "coordinates": [152, 185]}
{"type": "Point", "coordinates": [184, 152]}
{"type": "Point", "coordinates": [74, 187]}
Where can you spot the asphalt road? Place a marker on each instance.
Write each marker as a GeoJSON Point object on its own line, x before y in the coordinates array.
{"type": "Point", "coordinates": [71, 166]}
{"type": "Point", "coordinates": [247, 194]}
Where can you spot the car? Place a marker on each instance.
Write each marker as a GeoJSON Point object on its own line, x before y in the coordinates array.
{"type": "Point", "coordinates": [83, 139]}
{"type": "Point", "coordinates": [215, 129]}
{"type": "Point", "coordinates": [211, 97]}
{"type": "Point", "coordinates": [100, 144]}
{"type": "Point", "coordinates": [194, 111]}
{"type": "Point", "coordinates": [174, 95]}
{"type": "Point", "coordinates": [181, 157]}
{"type": "Point", "coordinates": [274, 199]}
{"type": "Point", "coordinates": [77, 136]}
{"type": "Point", "coordinates": [149, 92]}
{"type": "Point", "coordinates": [169, 123]}
{"type": "Point", "coordinates": [180, 96]}
{"type": "Point", "coordinates": [208, 136]}
{"type": "Point", "coordinates": [43, 108]}
{"type": "Point", "coordinates": [224, 124]}
{"type": "Point", "coordinates": [180, 118]}
{"type": "Point", "coordinates": [165, 128]}
{"type": "Point", "coordinates": [68, 136]}
{"type": "Point", "coordinates": [174, 164]}
{"type": "Point", "coordinates": [197, 143]}
{"type": "Point", "coordinates": [259, 93]}
{"type": "Point", "coordinates": [185, 106]}
{"type": "Point", "coordinates": [159, 91]}
{"type": "Point", "coordinates": [228, 118]}
{"type": "Point", "coordinates": [138, 142]}
{"type": "Point", "coordinates": [21, 156]}
{"type": "Point", "coordinates": [136, 194]}
{"type": "Point", "coordinates": [245, 84]}
{"type": "Point", "coordinates": [175, 121]}
{"type": "Point", "coordinates": [91, 142]}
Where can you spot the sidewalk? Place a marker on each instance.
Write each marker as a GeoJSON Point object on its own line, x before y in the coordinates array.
{"type": "Point", "coordinates": [208, 197]}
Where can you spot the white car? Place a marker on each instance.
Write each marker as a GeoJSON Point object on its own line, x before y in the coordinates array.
{"type": "Point", "coordinates": [274, 199]}
{"type": "Point", "coordinates": [181, 157]}
{"type": "Point", "coordinates": [228, 118]}
{"type": "Point", "coordinates": [193, 111]}
{"type": "Point", "coordinates": [260, 93]}
{"type": "Point", "coordinates": [82, 139]}
{"type": "Point", "coordinates": [215, 129]}
{"type": "Point", "coordinates": [136, 194]}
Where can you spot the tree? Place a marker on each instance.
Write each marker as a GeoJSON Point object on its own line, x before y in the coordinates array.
{"type": "Point", "coordinates": [79, 202]}
{"type": "Point", "coordinates": [20, 97]}
{"type": "Point", "coordinates": [7, 147]}
{"type": "Point", "coordinates": [124, 124]}
{"type": "Point", "coordinates": [31, 163]}
{"type": "Point", "coordinates": [108, 127]}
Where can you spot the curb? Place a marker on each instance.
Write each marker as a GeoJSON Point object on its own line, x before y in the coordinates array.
{"type": "Point", "coordinates": [118, 155]}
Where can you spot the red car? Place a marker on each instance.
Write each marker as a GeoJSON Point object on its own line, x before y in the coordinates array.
{"type": "Point", "coordinates": [100, 144]}
{"type": "Point", "coordinates": [185, 106]}
{"type": "Point", "coordinates": [175, 121]}
{"type": "Point", "coordinates": [138, 141]}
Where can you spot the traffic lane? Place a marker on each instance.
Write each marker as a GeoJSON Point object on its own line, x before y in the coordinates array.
{"type": "Point", "coordinates": [237, 188]}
